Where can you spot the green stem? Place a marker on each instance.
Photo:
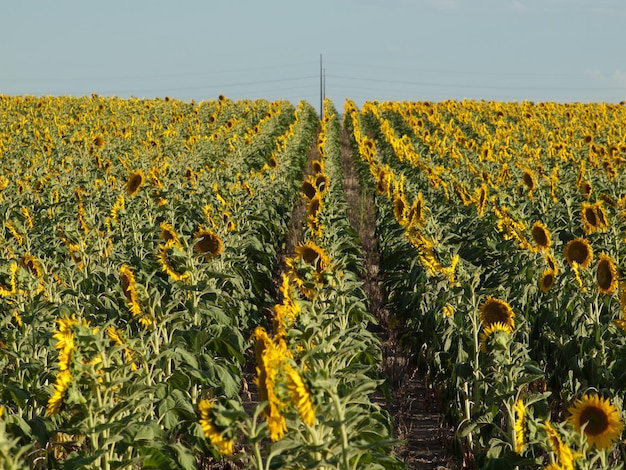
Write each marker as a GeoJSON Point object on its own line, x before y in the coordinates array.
{"type": "Point", "coordinates": [342, 428]}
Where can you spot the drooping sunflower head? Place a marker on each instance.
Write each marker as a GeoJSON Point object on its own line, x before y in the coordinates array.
{"type": "Point", "coordinates": [31, 264]}
{"type": "Point", "coordinates": [586, 188]}
{"type": "Point", "coordinates": [547, 280]}
{"type": "Point", "coordinates": [551, 262]}
{"type": "Point", "coordinates": [497, 335]}
{"type": "Point", "coordinates": [321, 182]}
{"type": "Point", "coordinates": [416, 214]}
{"type": "Point", "coordinates": [314, 207]}
{"type": "Point", "coordinates": [496, 311]}
{"type": "Point", "coordinates": [208, 244]}
{"type": "Point", "coordinates": [129, 288]}
{"type": "Point", "coordinates": [578, 250]}
{"type": "Point", "coordinates": [606, 274]}
{"type": "Point", "coordinates": [308, 188]}
{"type": "Point", "coordinates": [602, 421]}
{"type": "Point", "coordinates": [481, 197]}
{"type": "Point", "coordinates": [528, 178]}
{"type": "Point", "coordinates": [273, 162]}
{"type": "Point", "coordinates": [98, 141]}
{"type": "Point", "coordinates": [383, 181]}
{"type": "Point", "coordinates": [603, 220]}
{"type": "Point", "coordinates": [541, 236]}
{"type": "Point", "coordinates": [317, 166]}
{"type": "Point", "coordinates": [400, 208]}
{"type": "Point", "coordinates": [589, 217]}
{"type": "Point", "coordinates": [168, 233]}
{"type": "Point", "coordinates": [134, 183]}
{"type": "Point", "coordinates": [313, 255]}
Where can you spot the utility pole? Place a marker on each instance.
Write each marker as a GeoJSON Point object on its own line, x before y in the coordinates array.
{"type": "Point", "coordinates": [321, 90]}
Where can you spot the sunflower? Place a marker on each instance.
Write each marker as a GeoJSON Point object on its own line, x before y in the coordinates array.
{"type": "Point", "coordinates": [499, 332]}
{"type": "Point", "coordinates": [168, 233]}
{"type": "Point", "coordinates": [447, 310]}
{"type": "Point", "coordinates": [547, 280]}
{"type": "Point", "coordinates": [313, 255]}
{"type": "Point", "coordinates": [383, 181]}
{"type": "Point", "coordinates": [399, 208]}
{"type": "Point", "coordinates": [602, 421]}
{"type": "Point", "coordinates": [321, 182]}
{"type": "Point", "coordinates": [496, 311]}
{"type": "Point", "coordinates": [134, 183]}
{"type": "Point", "coordinates": [208, 244]}
{"type": "Point", "coordinates": [314, 207]}
{"type": "Point", "coordinates": [211, 432]}
{"type": "Point", "coordinates": [317, 166]}
{"type": "Point", "coordinates": [98, 141]}
{"type": "Point", "coordinates": [60, 387]}
{"type": "Point", "coordinates": [589, 216]}
{"type": "Point", "coordinates": [528, 178]}
{"type": "Point", "coordinates": [586, 188]}
{"type": "Point", "coordinates": [416, 213]}
{"type": "Point", "coordinates": [270, 359]}
{"type": "Point", "coordinates": [520, 425]}
{"type": "Point", "coordinates": [579, 251]}
{"type": "Point", "coordinates": [300, 395]}
{"type": "Point", "coordinates": [606, 274]}
{"type": "Point", "coordinates": [166, 265]}
{"type": "Point", "coordinates": [480, 198]}
{"type": "Point", "coordinates": [541, 236]}
{"type": "Point", "coordinates": [273, 163]}
{"type": "Point", "coordinates": [551, 262]}
{"type": "Point", "coordinates": [308, 188]}
{"type": "Point", "coordinates": [563, 453]}
{"type": "Point", "coordinates": [601, 216]}
{"type": "Point", "coordinates": [129, 288]}
{"type": "Point", "coordinates": [31, 264]}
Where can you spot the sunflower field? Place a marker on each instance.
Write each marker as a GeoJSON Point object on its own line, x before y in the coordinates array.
{"type": "Point", "coordinates": [153, 319]}
{"type": "Point", "coordinates": [502, 232]}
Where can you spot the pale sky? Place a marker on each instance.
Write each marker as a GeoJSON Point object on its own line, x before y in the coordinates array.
{"type": "Point", "coordinates": [404, 50]}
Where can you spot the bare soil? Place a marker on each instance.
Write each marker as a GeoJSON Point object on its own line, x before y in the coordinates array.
{"type": "Point", "coordinates": [414, 410]}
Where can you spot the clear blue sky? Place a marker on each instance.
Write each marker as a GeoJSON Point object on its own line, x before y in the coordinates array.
{"type": "Point", "coordinates": [507, 50]}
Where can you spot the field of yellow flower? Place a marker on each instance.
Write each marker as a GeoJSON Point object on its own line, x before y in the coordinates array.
{"type": "Point", "coordinates": [502, 229]}
{"type": "Point", "coordinates": [139, 253]}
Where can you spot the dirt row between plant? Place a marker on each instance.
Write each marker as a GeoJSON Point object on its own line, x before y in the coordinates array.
{"type": "Point", "coordinates": [413, 408]}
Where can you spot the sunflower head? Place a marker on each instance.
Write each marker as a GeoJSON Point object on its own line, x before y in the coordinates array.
{"type": "Point", "coordinates": [480, 198]}
{"type": "Point", "coordinates": [541, 236]}
{"type": "Point", "coordinates": [308, 188]}
{"type": "Point", "coordinates": [528, 178]}
{"type": "Point", "coordinates": [496, 311]}
{"type": "Point", "coordinates": [586, 188]}
{"type": "Point", "coordinates": [128, 281]}
{"type": "Point", "coordinates": [606, 274]}
{"type": "Point", "coordinates": [579, 251]}
{"type": "Point", "coordinates": [273, 163]}
{"type": "Point", "coordinates": [317, 166]}
{"type": "Point", "coordinates": [98, 141]}
{"type": "Point", "coordinates": [168, 233]}
{"type": "Point", "coordinates": [599, 420]}
{"type": "Point", "coordinates": [321, 182]}
{"type": "Point", "coordinates": [399, 208]}
{"type": "Point", "coordinates": [547, 280]}
{"type": "Point", "coordinates": [313, 255]}
{"type": "Point", "coordinates": [134, 183]}
{"type": "Point", "coordinates": [208, 244]}
{"type": "Point", "coordinates": [495, 336]}
{"type": "Point", "coordinates": [314, 207]}
{"type": "Point", "coordinates": [416, 213]}
{"type": "Point", "coordinates": [31, 264]}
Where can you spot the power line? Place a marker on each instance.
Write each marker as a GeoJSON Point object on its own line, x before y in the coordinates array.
{"type": "Point", "coordinates": [478, 87]}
